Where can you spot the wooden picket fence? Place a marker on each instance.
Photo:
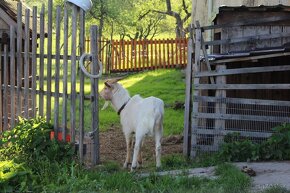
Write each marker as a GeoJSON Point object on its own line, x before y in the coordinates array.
{"type": "Point", "coordinates": [138, 55]}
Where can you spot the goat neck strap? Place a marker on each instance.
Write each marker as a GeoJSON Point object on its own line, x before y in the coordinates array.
{"type": "Point", "coordinates": [122, 107]}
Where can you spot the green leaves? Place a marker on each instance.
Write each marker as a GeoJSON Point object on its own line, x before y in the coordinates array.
{"type": "Point", "coordinates": [277, 147]}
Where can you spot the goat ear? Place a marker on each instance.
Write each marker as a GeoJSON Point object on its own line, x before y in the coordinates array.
{"type": "Point", "coordinates": [108, 84]}
{"type": "Point", "coordinates": [114, 80]}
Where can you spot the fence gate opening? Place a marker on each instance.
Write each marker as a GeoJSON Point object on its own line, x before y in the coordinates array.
{"type": "Point", "coordinates": [41, 76]}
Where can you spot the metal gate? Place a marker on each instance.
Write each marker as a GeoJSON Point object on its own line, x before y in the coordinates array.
{"type": "Point", "coordinates": [41, 76]}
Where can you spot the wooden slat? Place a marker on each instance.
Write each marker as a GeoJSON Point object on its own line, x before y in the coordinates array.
{"type": "Point", "coordinates": [73, 72]}
{"type": "Point", "coordinates": [94, 95]}
{"type": "Point", "coordinates": [19, 58]}
{"type": "Point", "coordinates": [240, 59]}
{"type": "Point", "coordinates": [233, 130]}
{"type": "Point", "coordinates": [49, 62]}
{"type": "Point", "coordinates": [57, 69]}
{"type": "Point", "coordinates": [221, 116]}
{"type": "Point", "coordinates": [41, 62]}
{"type": "Point", "coordinates": [243, 71]}
{"type": "Point", "coordinates": [196, 93]}
{"type": "Point", "coordinates": [242, 101]}
{"type": "Point", "coordinates": [255, 21]}
{"type": "Point", "coordinates": [5, 90]}
{"type": "Point", "coordinates": [1, 99]}
{"type": "Point", "coordinates": [33, 64]}
{"type": "Point", "coordinates": [241, 86]}
{"type": "Point", "coordinates": [12, 76]}
{"type": "Point", "coordinates": [247, 38]}
{"type": "Point", "coordinates": [188, 101]}
{"type": "Point", "coordinates": [26, 63]}
{"type": "Point", "coordinates": [81, 75]}
{"type": "Point", "coordinates": [65, 71]}
{"type": "Point", "coordinates": [205, 53]}
{"type": "Point", "coordinates": [128, 55]}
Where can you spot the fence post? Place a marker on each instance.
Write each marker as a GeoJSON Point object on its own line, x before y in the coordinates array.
{"type": "Point", "coordinates": [94, 94]}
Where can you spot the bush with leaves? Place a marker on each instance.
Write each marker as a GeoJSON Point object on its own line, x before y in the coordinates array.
{"type": "Point", "coordinates": [277, 147]}
{"type": "Point", "coordinates": [28, 155]}
{"type": "Point", "coordinates": [30, 140]}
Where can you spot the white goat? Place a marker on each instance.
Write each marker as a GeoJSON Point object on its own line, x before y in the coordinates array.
{"type": "Point", "coordinates": [142, 116]}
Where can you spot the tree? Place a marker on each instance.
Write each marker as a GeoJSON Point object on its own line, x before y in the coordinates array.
{"type": "Point", "coordinates": [179, 29]}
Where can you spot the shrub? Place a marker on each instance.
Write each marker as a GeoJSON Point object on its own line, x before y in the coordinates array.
{"type": "Point", "coordinates": [277, 147]}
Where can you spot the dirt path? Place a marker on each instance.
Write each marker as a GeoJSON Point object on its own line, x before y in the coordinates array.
{"type": "Point", "coordinates": [113, 146]}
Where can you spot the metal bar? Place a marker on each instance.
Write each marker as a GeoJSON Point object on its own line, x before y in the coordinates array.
{"type": "Point", "coordinates": [241, 86]}
{"type": "Point", "coordinates": [5, 90]}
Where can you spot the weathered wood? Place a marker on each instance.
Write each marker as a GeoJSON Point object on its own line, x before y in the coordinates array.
{"type": "Point", "coordinates": [240, 59]}
{"type": "Point", "coordinates": [73, 72]}
{"type": "Point", "coordinates": [241, 86]}
{"type": "Point", "coordinates": [222, 116]}
{"type": "Point", "coordinates": [220, 108]}
{"type": "Point", "coordinates": [1, 99]}
{"type": "Point", "coordinates": [205, 53]}
{"type": "Point", "coordinates": [5, 90]}
{"type": "Point", "coordinates": [248, 22]}
{"type": "Point", "coordinates": [81, 96]}
{"type": "Point", "coordinates": [19, 58]}
{"type": "Point", "coordinates": [242, 101]}
{"type": "Point", "coordinates": [234, 130]}
{"type": "Point", "coordinates": [26, 63]}
{"type": "Point", "coordinates": [12, 76]}
{"type": "Point", "coordinates": [249, 38]}
{"type": "Point", "coordinates": [94, 94]}
{"type": "Point", "coordinates": [188, 101]}
{"type": "Point", "coordinates": [41, 62]}
{"type": "Point", "coordinates": [196, 81]}
{"type": "Point", "coordinates": [65, 71]}
{"type": "Point", "coordinates": [33, 61]}
{"type": "Point", "coordinates": [57, 69]}
{"type": "Point", "coordinates": [243, 71]}
{"type": "Point", "coordinates": [49, 62]}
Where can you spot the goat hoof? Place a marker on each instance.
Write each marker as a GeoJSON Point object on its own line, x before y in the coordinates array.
{"type": "Point", "coordinates": [126, 165]}
{"type": "Point", "coordinates": [133, 169]}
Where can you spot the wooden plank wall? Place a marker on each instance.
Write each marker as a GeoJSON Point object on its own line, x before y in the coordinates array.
{"type": "Point", "coordinates": [41, 75]}
{"type": "Point", "coordinates": [249, 95]}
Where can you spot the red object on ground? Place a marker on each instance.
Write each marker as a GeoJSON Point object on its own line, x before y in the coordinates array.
{"type": "Point", "coordinates": [59, 136]}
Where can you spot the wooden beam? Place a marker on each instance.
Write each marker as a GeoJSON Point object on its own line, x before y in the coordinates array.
{"type": "Point", "coordinates": [249, 22]}
{"type": "Point", "coordinates": [247, 39]}
{"type": "Point", "coordinates": [243, 71]}
{"type": "Point", "coordinates": [241, 86]}
{"type": "Point", "coordinates": [222, 116]}
{"type": "Point", "coordinates": [240, 59]}
{"type": "Point", "coordinates": [242, 101]}
{"type": "Point", "coordinates": [234, 130]}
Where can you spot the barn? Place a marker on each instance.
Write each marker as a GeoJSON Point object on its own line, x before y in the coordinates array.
{"type": "Point", "coordinates": [239, 81]}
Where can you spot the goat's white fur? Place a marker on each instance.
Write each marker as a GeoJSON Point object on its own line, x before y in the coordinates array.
{"type": "Point", "coordinates": [142, 116]}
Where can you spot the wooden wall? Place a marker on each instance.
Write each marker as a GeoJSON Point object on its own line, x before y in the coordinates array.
{"type": "Point", "coordinates": [200, 9]}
